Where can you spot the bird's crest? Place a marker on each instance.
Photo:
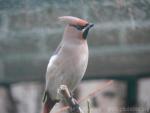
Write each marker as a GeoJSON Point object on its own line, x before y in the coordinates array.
{"type": "Point", "coordinates": [73, 20]}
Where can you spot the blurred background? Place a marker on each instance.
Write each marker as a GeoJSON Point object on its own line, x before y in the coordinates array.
{"type": "Point", "coordinates": [119, 50]}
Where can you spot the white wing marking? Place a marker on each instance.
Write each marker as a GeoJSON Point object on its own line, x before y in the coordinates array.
{"type": "Point", "coordinates": [51, 61]}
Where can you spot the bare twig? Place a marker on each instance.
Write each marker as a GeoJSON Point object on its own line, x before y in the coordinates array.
{"type": "Point", "coordinates": [98, 90]}
{"type": "Point", "coordinates": [88, 105]}
{"type": "Point", "coordinates": [73, 104]}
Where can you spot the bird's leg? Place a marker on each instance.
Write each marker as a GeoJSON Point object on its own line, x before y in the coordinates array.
{"type": "Point", "coordinates": [73, 104]}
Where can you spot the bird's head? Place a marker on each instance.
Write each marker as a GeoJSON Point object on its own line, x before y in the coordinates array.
{"type": "Point", "coordinates": [77, 26]}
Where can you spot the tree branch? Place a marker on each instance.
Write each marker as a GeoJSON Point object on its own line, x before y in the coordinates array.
{"type": "Point", "coordinates": [98, 90]}
{"type": "Point", "coordinates": [73, 104]}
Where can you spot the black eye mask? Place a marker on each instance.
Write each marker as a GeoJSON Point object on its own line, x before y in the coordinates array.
{"type": "Point", "coordinates": [79, 27]}
{"type": "Point", "coordinates": [84, 29]}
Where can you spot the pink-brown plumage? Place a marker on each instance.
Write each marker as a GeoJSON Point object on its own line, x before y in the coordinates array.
{"type": "Point", "coordinates": [73, 20]}
{"type": "Point", "coordinates": [68, 64]}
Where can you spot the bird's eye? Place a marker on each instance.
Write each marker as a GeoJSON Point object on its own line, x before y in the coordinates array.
{"type": "Point", "coordinates": [79, 27]}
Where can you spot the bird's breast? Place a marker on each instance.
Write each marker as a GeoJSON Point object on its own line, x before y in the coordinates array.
{"type": "Point", "coordinates": [67, 67]}
{"type": "Point", "coordinates": [76, 60]}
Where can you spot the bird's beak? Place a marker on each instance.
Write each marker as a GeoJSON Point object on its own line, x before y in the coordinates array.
{"type": "Point", "coordinates": [90, 25]}
{"type": "Point", "coordinates": [86, 30]}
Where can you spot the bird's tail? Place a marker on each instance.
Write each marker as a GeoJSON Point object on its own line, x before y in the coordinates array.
{"type": "Point", "coordinates": [48, 103]}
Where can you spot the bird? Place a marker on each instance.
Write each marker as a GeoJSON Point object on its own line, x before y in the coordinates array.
{"type": "Point", "coordinates": [68, 63]}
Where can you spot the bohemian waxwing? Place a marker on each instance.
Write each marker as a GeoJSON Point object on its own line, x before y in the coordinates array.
{"type": "Point", "coordinates": [69, 62]}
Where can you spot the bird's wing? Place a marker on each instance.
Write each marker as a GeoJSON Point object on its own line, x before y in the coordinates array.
{"type": "Point", "coordinates": [52, 62]}
{"type": "Point", "coordinates": [54, 65]}
{"type": "Point", "coordinates": [58, 49]}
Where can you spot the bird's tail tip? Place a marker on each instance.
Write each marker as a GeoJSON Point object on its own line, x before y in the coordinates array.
{"type": "Point", "coordinates": [48, 103]}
